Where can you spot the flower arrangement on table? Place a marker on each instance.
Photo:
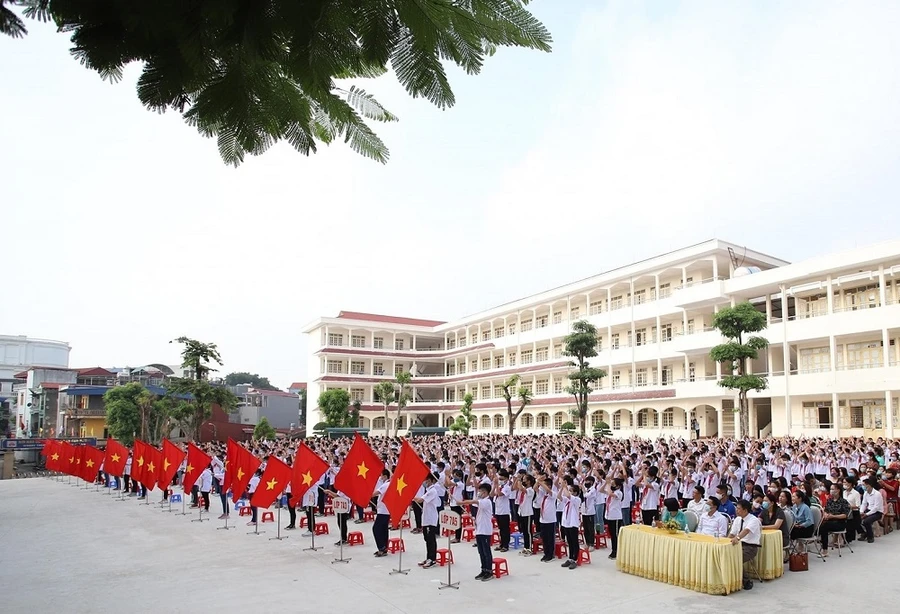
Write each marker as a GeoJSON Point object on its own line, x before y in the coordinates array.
{"type": "Point", "coordinates": [670, 525]}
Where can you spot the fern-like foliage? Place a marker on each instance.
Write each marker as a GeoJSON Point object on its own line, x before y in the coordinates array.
{"type": "Point", "coordinates": [253, 72]}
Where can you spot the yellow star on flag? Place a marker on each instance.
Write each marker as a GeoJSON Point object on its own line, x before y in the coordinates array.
{"type": "Point", "coordinates": [363, 470]}
{"type": "Point", "coordinates": [55, 456]}
{"type": "Point", "coordinates": [151, 467]}
{"type": "Point", "coordinates": [115, 458]}
{"type": "Point", "coordinates": [307, 478]}
{"type": "Point", "coordinates": [77, 461]}
{"type": "Point", "coordinates": [271, 484]}
{"type": "Point", "coordinates": [89, 463]}
{"type": "Point", "coordinates": [166, 464]}
{"type": "Point", "coordinates": [188, 469]}
{"type": "Point", "coordinates": [141, 461]}
{"type": "Point", "coordinates": [240, 473]}
{"type": "Point", "coordinates": [71, 460]}
{"type": "Point", "coordinates": [401, 484]}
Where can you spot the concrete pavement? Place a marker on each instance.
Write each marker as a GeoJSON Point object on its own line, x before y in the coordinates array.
{"type": "Point", "coordinates": [70, 550]}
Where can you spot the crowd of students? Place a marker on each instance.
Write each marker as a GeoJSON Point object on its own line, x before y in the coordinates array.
{"type": "Point", "coordinates": [572, 488]}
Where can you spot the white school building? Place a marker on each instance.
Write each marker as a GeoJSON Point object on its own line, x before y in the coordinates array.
{"type": "Point", "coordinates": [833, 361]}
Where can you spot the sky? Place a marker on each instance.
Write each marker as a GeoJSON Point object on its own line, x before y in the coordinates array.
{"type": "Point", "coordinates": [651, 126]}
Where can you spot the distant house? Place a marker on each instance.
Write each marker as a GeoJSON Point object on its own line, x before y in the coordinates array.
{"type": "Point", "coordinates": [297, 387]}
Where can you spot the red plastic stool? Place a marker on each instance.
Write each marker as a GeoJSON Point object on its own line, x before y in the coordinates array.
{"type": "Point", "coordinates": [600, 540]}
{"type": "Point", "coordinates": [444, 556]}
{"type": "Point", "coordinates": [395, 544]}
{"type": "Point", "coordinates": [246, 511]}
{"type": "Point", "coordinates": [495, 537]}
{"type": "Point", "coordinates": [513, 527]}
{"type": "Point", "coordinates": [468, 534]}
{"type": "Point", "coordinates": [268, 517]}
{"type": "Point", "coordinates": [500, 568]}
{"type": "Point", "coordinates": [467, 521]}
{"type": "Point", "coordinates": [405, 523]}
{"type": "Point", "coordinates": [536, 544]}
{"type": "Point", "coordinates": [329, 510]}
{"type": "Point", "coordinates": [560, 550]}
{"type": "Point", "coordinates": [322, 528]}
{"type": "Point", "coordinates": [355, 538]}
{"type": "Point", "coordinates": [494, 521]}
{"type": "Point", "coordinates": [584, 556]}
{"type": "Point", "coordinates": [447, 532]}
{"type": "Point", "coordinates": [368, 516]}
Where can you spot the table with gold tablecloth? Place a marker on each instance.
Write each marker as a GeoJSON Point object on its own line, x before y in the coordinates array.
{"type": "Point", "coordinates": [771, 556]}
{"type": "Point", "coordinates": [697, 562]}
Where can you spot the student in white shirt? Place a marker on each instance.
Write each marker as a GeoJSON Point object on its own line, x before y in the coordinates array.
{"type": "Point", "coordinates": [614, 510]}
{"type": "Point", "coordinates": [308, 503]}
{"type": "Point", "coordinates": [381, 528]}
{"type": "Point", "coordinates": [524, 487]}
{"type": "Point", "coordinates": [501, 492]}
{"type": "Point", "coordinates": [698, 504]}
{"type": "Point", "coordinates": [251, 488]}
{"type": "Point", "coordinates": [588, 511]}
{"type": "Point", "coordinates": [219, 475]}
{"type": "Point", "coordinates": [205, 480]}
{"type": "Point", "coordinates": [455, 485]}
{"type": "Point", "coordinates": [648, 485]}
{"type": "Point", "coordinates": [747, 530]}
{"type": "Point", "coordinates": [569, 494]}
{"type": "Point", "coordinates": [853, 498]}
{"type": "Point", "coordinates": [547, 503]}
{"type": "Point", "coordinates": [429, 502]}
{"type": "Point", "coordinates": [484, 528]}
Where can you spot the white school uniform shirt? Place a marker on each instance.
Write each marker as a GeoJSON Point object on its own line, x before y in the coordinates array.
{"type": "Point", "coordinates": [650, 495]}
{"type": "Point", "coordinates": [206, 480]}
{"type": "Point", "coordinates": [525, 501]}
{"type": "Point", "coordinates": [872, 502]}
{"type": "Point", "coordinates": [547, 508]}
{"type": "Point", "coordinates": [669, 489]}
{"type": "Point", "coordinates": [430, 501]}
{"type": "Point", "coordinates": [715, 525]}
{"type": "Point", "coordinates": [571, 517]}
{"type": "Point", "coordinates": [127, 466]}
{"type": "Point", "coordinates": [501, 501]}
{"type": "Point", "coordinates": [456, 493]}
{"type": "Point", "coordinates": [614, 511]}
{"type": "Point", "coordinates": [254, 482]}
{"type": "Point", "coordinates": [698, 507]}
{"type": "Point", "coordinates": [483, 518]}
{"type": "Point", "coordinates": [589, 503]}
{"type": "Point", "coordinates": [627, 492]}
{"type": "Point", "coordinates": [310, 497]}
{"type": "Point", "coordinates": [735, 482]}
{"type": "Point", "coordinates": [381, 508]}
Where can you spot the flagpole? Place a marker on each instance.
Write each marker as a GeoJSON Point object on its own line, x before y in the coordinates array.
{"type": "Point", "coordinates": [121, 488]}
{"type": "Point", "coordinates": [182, 512]}
{"type": "Point", "coordinates": [400, 560]}
{"type": "Point", "coordinates": [170, 492]}
{"type": "Point", "coordinates": [448, 521]}
{"type": "Point", "coordinates": [256, 530]}
{"type": "Point", "coordinates": [200, 510]}
{"type": "Point", "coordinates": [312, 530]}
{"type": "Point", "coordinates": [225, 511]}
{"type": "Point", "coordinates": [278, 534]}
{"type": "Point", "coordinates": [146, 496]}
{"type": "Point", "coordinates": [344, 504]}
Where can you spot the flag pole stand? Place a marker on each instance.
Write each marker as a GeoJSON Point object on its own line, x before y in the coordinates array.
{"type": "Point", "coordinates": [341, 558]}
{"type": "Point", "coordinates": [226, 527]}
{"type": "Point", "coordinates": [312, 530]}
{"type": "Point", "coordinates": [121, 490]}
{"type": "Point", "coordinates": [200, 518]}
{"type": "Point", "coordinates": [278, 533]}
{"type": "Point", "coordinates": [182, 512]}
{"type": "Point", "coordinates": [449, 583]}
{"type": "Point", "coordinates": [170, 492]}
{"type": "Point", "coordinates": [146, 496]}
{"type": "Point", "coordinates": [256, 530]}
{"type": "Point", "coordinates": [400, 560]}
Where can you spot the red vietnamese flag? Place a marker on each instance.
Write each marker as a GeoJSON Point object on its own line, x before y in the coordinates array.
{"type": "Point", "coordinates": [78, 467]}
{"type": "Point", "coordinates": [231, 455]}
{"type": "Point", "coordinates": [308, 468]}
{"type": "Point", "coordinates": [114, 460]}
{"type": "Point", "coordinates": [152, 467]}
{"type": "Point", "coordinates": [359, 473]}
{"type": "Point", "coordinates": [138, 461]}
{"type": "Point", "coordinates": [245, 465]}
{"type": "Point", "coordinates": [408, 476]}
{"type": "Point", "coordinates": [274, 480]}
{"type": "Point", "coordinates": [66, 458]}
{"type": "Point", "coordinates": [171, 458]}
{"type": "Point", "coordinates": [90, 464]}
{"type": "Point", "coordinates": [197, 461]}
{"type": "Point", "coordinates": [51, 452]}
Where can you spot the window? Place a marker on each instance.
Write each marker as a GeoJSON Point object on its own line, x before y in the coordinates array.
{"type": "Point", "coordinates": [526, 357]}
{"type": "Point", "coordinates": [358, 341]}
{"type": "Point", "coordinates": [640, 337]}
{"type": "Point", "coordinates": [526, 325]}
{"type": "Point", "coordinates": [461, 393]}
{"type": "Point", "coordinates": [451, 369]}
{"type": "Point", "coordinates": [575, 313]}
{"type": "Point", "coordinates": [616, 379]}
{"type": "Point", "coordinates": [485, 422]}
{"type": "Point", "coordinates": [863, 355]}
{"type": "Point", "coordinates": [526, 421]}
{"type": "Point", "coordinates": [485, 364]}
{"type": "Point", "coordinates": [398, 344]}
{"type": "Point", "coordinates": [595, 308]}
{"type": "Point", "coordinates": [485, 392]}
{"type": "Point", "coordinates": [451, 344]}
{"type": "Point", "coordinates": [615, 302]}
{"type": "Point", "coordinates": [474, 419]}
{"type": "Point", "coordinates": [357, 394]}
{"type": "Point", "coordinates": [690, 327]}
{"type": "Point", "coordinates": [486, 335]}
{"type": "Point", "coordinates": [474, 366]}
{"type": "Point", "coordinates": [596, 418]}
{"type": "Point", "coordinates": [462, 342]}
{"type": "Point", "coordinates": [541, 386]}
{"type": "Point", "coordinates": [557, 317]}
{"type": "Point", "coordinates": [665, 290]}
{"type": "Point", "coordinates": [617, 420]}
{"type": "Point", "coordinates": [640, 297]}
{"type": "Point", "coordinates": [692, 373]}
{"type": "Point", "coordinates": [498, 421]}
{"type": "Point", "coordinates": [543, 421]}
{"type": "Point", "coordinates": [499, 332]}
{"type": "Point", "coordinates": [462, 368]}
{"type": "Point", "coordinates": [665, 333]}
{"type": "Point", "coordinates": [357, 367]}
{"type": "Point", "coordinates": [378, 343]}
{"type": "Point", "coordinates": [398, 369]}
{"type": "Point", "coordinates": [817, 414]}
{"type": "Point", "coordinates": [335, 366]}
{"type": "Point", "coordinates": [474, 393]}
{"type": "Point", "coordinates": [557, 350]}
{"type": "Point", "coordinates": [378, 368]}
{"type": "Point", "coordinates": [474, 338]}
{"type": "Point", "coordinates": [541, 354]}
{"type": "Point", "coordinates": [526, 386]}
{"type": "Point", "coordinates": [511, 359]}
{"type": "Point", "coordinates": [511, 328]}
{"type": "Point", "coordinates": [378, 423]}
{"type": "Point", "coordinates": [668, 418]}
{"type": "Point", "coordinates": [558, 420]}
{"type": "Point", "coordinates": [599, 343]}
{"type": "Point", "coordinates": [498, 362]}
{"type": "Point", "coordinates": [665, 376]}
{"type": "Point", "coordinates": [688, 282]}
{"type": "Point", "coordinates": [557, 386]}
{"type": "Point", "coordinates": [815, 360]}
{"type": "Point", "coordinates": [335, 339]}
{"type": "Point", "coordinates": [614, 341]}
{"type": "Point", "coordinates": [542, 321]}
{"type": "Point", "coordinates": [640, 377]}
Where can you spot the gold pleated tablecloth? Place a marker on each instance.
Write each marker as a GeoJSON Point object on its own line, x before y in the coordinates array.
{"type": "Point", "coordinates": [697, 562]}
{"type": "Point", "coordinates": [771, 556]}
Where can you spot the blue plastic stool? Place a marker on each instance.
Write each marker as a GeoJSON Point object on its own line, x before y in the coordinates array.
{"type": "Point", "coordinates": [175, 497]}
{"type": "Point", "coordinates": [516, 540]}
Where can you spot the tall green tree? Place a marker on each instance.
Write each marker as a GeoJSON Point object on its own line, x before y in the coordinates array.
{"type": "Point", "coordinates": [581, 344]}
{"type": "Point", "coordinates": [245, 377]}
{"type": "Point", "coordinates": [197, 356]}
{"type": "Point", "coordinates": [254, 72]}
{"type": "Point", "coordinates": [511, 389]}
{"type": "Point", "coordinates": [403, 396]}
{"type": "Point", "coordinates": [123, 412]}
{"type": "Point", "coordinates": [197, 394]}
{"type": "Point", "coordinates": [463, 423]}
{"type": "Point", "coordinates": [384, 392]}
{"type": "Point", "coordinates": [264, 430]}
{"type": "Point", "coordinates": [737, 324]}
{"type": "Point", "coordinates": [335, 407]}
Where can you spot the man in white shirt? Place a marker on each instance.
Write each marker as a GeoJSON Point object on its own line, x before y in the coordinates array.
{"type": "Point", "coordinates": [747, 530]}
{"type": "Point", "coordinates": [713, 522]}
{"type": "Point", "coordinates": [697, 504]}
{"type": "Point", "coordinates": [871, 509]}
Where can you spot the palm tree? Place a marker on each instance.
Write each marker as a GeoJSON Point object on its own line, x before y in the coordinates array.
{"type": "Point", "coordinates": [253, 73]}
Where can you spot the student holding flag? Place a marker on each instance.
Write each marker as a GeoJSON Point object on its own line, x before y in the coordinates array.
{"type": "Point", "coordinates": [429, 502]}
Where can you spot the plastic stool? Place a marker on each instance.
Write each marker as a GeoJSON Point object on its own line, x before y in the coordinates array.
{"type": "Point", "coordinates": [467, 521]}
{"type": "Point", "coordinates": [468, 534]}
{"type": "Point", "coordinates": [447, 532]}
{"type": "Point", "coordinates": [584, 556]}
{"type": "Point", "coordinates": [513, 527]}
{"type": "Point", "coordinates": [516, 540]}
{"type": "Point", "coordinates": [175, 498]}
{"type": "Point", "coordinates": [395, 544]}
{"type": "Point", "coordinates": [302, 521]}
{"type": "Point", "coordinates": [444, 556]}
{"type": "Point", "coordinates": [268, 517]}
{"type": "Point", "coordinates": [368, 516]}
{"type": "Point", "coordinates": [536, 543]}
{"type": "Point", "coordinates": [494, 521]}
{"type": "Point", "coordinates": [500, 568]}
{"type": "Point", "coordinates": [355, 538]}
{"type": "Point", "coordinates": [495, 537]}
{"type": "Point", "coordinates": [600, 540]}
{"type": "Point", "coordinates": [322, 528]}
{"type": "Point", "coordinates": [560, 550]}
{"type": "Point", "coordinates": [246, 511]}
{"type": "Point", "coordinates": [405, 523]}
{"type": "Point", "coordinates": [329, 510]}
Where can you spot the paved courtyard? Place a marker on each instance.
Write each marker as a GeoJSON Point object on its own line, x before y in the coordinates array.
{"type": "Point", "coordinates": [66, 549]}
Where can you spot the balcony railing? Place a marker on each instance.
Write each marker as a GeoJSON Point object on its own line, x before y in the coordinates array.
{"type": "Point", "coordinates": [74, 412]}
{"type": "Point", "coordinates": [707, 280]}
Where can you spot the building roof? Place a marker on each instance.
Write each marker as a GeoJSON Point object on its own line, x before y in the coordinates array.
{"type": "Point", "coordinates": [270, 393]}
{"type": "Point", "coordinates": [297, 386]}
{"type": "Point", "coordinates": [95, 371]}
{"type": "Point", "coordinates": [24, 374]}
{"type": "Point", "coordinates": [374, 317]}
{"type": "Point", "coordinates": [52, 385]}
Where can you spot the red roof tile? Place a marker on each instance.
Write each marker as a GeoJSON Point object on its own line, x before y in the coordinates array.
{"type": "Point", "coordinates": [95, 371]}
{"type": "Point", "coordinates": [52, 385]}
{"type": "Point", "coordinates": [374, 317]}
{"type": "Point", "coordinates": [297, 386]}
